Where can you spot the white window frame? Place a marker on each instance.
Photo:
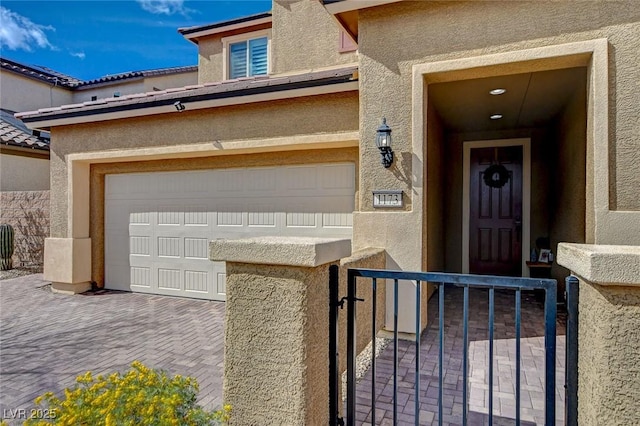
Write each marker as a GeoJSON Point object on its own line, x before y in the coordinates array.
{"type": "Point", "coordinates": [227, 41]}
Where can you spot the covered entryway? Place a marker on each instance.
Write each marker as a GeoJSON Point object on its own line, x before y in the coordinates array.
{"type": "Point", "coordinates": [158, 225]}
{"type": "Point", "coordinates": [542, 116]}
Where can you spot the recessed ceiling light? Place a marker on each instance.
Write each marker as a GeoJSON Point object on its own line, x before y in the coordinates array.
{"type": "Point", "coordinates": [496, 116]}
{"type": "Point", "coordinates": [497, 91]}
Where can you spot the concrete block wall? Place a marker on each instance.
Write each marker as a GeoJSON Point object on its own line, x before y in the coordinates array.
{"type": "Point", "coordinates": [28, 213]}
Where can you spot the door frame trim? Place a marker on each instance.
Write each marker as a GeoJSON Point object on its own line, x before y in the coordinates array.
{"type": "Point", "coordinates": [526, 195]}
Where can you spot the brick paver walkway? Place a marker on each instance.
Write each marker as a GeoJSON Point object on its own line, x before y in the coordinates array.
{"type": "Point", "coordinates": [532, 366]}
{"type": "Point", "coordinates": [48, 339]}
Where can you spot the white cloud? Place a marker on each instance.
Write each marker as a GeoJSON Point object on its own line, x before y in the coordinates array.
{"type": "Point", "coordinates": [19, 32]}
{"type": "Point", "coordinates": [164, 7]}
{"type": "Point", "coordinates": [80, 55]}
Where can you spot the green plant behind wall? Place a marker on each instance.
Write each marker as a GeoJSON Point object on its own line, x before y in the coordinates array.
{"type": "Point", "coordinates": [6, 247]}
{"type": "Point", "coordinates": [141, 396]}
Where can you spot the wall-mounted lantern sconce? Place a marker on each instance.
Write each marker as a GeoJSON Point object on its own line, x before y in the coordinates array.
{"type": "Point", "coordinates": [383, 142]}
{"type": "Point", "coordinates": [179, 106]}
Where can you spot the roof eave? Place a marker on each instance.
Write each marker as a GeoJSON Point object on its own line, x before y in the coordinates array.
{"type": "Point", "coordinates": [192, 34]}
{"type": "Point", "coordinates": [193, 101]}
{"type": "Point", "coordinates": [35, 151]}
{"type": "Point", "coordinates": [341, 6]}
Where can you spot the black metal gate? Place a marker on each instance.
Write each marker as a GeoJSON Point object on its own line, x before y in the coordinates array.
{"type": "Point", "coordinates": [442, 281]}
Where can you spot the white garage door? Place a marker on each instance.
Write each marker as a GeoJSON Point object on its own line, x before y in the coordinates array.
{"type": "Point", "coordinates": [158, 225]}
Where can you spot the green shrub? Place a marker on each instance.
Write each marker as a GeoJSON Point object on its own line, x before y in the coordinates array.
{"type": "Point", "coordinates": [141, 396]}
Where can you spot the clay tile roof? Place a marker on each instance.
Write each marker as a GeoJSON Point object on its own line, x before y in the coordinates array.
{"type": "Point", "coordinates": [50, 76]}
{"type": "Point", "coordinates": [13, 132]}
{"type": "Point", "coordinates": [138, 74]}
{"type": "Point", "coordinates": [40, 73]}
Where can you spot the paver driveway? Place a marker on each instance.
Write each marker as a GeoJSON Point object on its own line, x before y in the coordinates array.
{"type": "Point", "coordinates": [48, 339]}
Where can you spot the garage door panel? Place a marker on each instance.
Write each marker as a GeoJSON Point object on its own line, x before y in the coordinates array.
{"type": "Point", "coordinates": [221, 283]}
{"type": "Point", "coordinates": [170, 215]}
{"type": "Point", "coordinates": [141, 277]}
{"type": "Point", "coordinates": [196, 281]}
{"type": "Point", "coordinates": [196, 216]}
{"type": "Point", "coordinates": [227, 181]}
{"type": "Point", "coordinates": [302, 220]}
{"type": "Point", "coordinates": [338, 177]}
{"type": "Point", "coordinates": [169, 247]}
{"type": "Point", "coordinates": [234, 217]}
{"type": "Point", "coordinates": [140, 245]}
{"type": "Point", "coordinates": [337, 220]}
{"type": "Point", "coordinates": [157, 240]}
{"type": "Point", "coordinates": [196, 248]}
{"type": "Point", "coordinates": [169, 278]}
{"type": "Point", "coordinates": [260, 181]}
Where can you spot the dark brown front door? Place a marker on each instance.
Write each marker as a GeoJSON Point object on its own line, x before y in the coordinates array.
{"type": "Point", "coordinates": [495, 225]}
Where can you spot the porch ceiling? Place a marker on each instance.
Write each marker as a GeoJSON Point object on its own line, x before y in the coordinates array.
{"type": "Point", "coordinates": [530, 100]}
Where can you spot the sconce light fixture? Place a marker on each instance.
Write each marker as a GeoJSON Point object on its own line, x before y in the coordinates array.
{"type": "Point", "coordinates": [179, 106]}
{"type": "Point", "coordinates": [383, 142]}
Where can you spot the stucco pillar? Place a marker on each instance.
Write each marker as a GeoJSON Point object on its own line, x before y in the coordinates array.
{"type": "Point", "coordinates": [277, 328]}
{"type": "Point", "coordinates": [67, 261]}
{"type": "Point", "coordinates": [67, 264]}
{"type": "Point", "coordinates": [608, 331]}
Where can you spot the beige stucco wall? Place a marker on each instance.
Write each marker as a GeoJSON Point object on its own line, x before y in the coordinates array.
{"type": "Point", "coordinates": [107, 91]}
{"type": "Point", "coordinates": [567, 221]}
{"type": "Point", "coordinates": [292, 117]}
{"type": "Point", "coordinates": [20, 173]}
{"type": "Point", "coordinates": [305, 36]}
{"type": "Point", "coordinates": [276, 340]}
{"type": "Point", "coordinates": [394, 38]}
{"type": "Point", "coordinates": [608, 348]}
{"type": "Point", "coordinates": [608, 331]}
{"type": "Point", "coordinates": [170, 80]}
{"type": "Point", "coordinates": [281, 342]}
{"type": "Point", "coordinates": [138, 85]}
{"type": "Point", "coordinates": [210, 67]}
{"type": "Point", "coordinates": [210, 54]}
{"type": "Point", "coordinates": [19, 93]}
{"type": "Point", "coordinates": [435, 190]}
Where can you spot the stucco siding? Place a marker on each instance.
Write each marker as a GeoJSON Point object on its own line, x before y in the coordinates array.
{"type": "Point", "coordinates": [170, 80]}
{"type": "Point", "coordinates": [305, 36]}
{"type": "Point", "coordinates": [24, 94]}
{"type": "Point", "coordinates": [108, 91]}
{"type": "Point", "coordinates": [211, 61]}
{"type": "Point", "coordinates": [394, 38]}
{"type": "Point", "coordinates": [18, 173]}
{"type": "Point", "coordinates": [300, 116]}
{"type": "Point", "coordinates": [568, 222]}
{"type": "Point", "coordinates": [609, 380]}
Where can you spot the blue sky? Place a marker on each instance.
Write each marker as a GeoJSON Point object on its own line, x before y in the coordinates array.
{"type": "Point", "coordinates": [89, 39]}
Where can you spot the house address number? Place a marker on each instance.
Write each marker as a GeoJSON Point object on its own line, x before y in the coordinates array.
{"type": "Point", "coordinates": [387, 199]}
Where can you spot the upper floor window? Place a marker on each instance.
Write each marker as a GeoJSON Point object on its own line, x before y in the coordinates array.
{"type": "Point", "coordinates": [246, 55]}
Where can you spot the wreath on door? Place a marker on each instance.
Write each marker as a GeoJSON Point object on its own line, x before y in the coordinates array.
{"type": "Point", "coordinates": [496, 176]}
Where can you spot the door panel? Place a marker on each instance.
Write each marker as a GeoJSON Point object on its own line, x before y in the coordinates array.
{"type": "Point", "coordinates": [495, 240]}
{"type": "Point", "coordinates": [158, 225]}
